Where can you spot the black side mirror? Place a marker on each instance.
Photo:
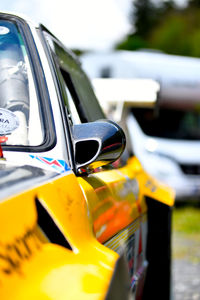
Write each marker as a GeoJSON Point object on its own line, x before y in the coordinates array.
{"type": "Point", "coordinates": [97, 143]}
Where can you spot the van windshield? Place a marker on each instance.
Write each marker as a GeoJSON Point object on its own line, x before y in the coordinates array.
{"type": "Point", "coordinates": [20, 117]}
{"type": "Point", "coordinates": [169, 123]}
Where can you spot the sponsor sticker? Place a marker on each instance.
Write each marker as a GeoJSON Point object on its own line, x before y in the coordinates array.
{"type": "Point", "coordinates": [4, 30]}
{"type": "Point", "coordinates": [58, 165]}
{"type": "Point", "coordinates": [8, 121]}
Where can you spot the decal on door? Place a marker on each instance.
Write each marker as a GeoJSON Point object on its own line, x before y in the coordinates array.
{"type": "Point", "coordinates": [58, 165]}
{"type": "Point", "coordinates": [21, 249]}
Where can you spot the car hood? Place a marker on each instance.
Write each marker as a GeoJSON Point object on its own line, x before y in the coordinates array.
{"type": "Point", "coordinates": [15, 179]}
{"type": "Point", "coordinates": [181, 151]}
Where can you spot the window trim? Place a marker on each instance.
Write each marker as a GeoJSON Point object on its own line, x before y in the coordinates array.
{"type": "Point", "coordinates": [84, 113]}
{"type": "Point", "coordinates": [40, 88]}
{"type": "Point", "coordinates": [60, 91]}
{"type": "Point", "coordinates": [74, 94]}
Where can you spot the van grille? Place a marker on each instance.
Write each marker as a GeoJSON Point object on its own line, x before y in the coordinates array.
{"type": "Point", "coordinates": [190, 169]}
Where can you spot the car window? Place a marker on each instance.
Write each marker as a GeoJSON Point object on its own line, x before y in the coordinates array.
{"type": "Point", "coordinates": [79, 96]}
{"type": "Point", "coordinates": [20, 116]}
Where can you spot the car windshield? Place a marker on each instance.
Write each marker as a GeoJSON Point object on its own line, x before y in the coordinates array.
{"type": "Point", "coordinates": [20, 117]}
{"type": "Point", "coordinates": [169, 123]}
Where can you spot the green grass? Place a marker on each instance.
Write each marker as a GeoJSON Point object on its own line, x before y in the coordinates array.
{"type": "Point", "coordinates": [186, 232]}
{"type": "Point", "coordinates": [186, 219]}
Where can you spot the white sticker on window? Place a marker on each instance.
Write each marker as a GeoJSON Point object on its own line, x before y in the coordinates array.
{"type": "Point", "coordinates": [8, 121]}
{"type": "Point", "coordinates": [4, 30]}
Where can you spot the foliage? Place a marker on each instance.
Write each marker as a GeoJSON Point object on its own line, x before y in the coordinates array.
{"type": "Point", "coordinates": [133, 42]}
{"type": "Point", "coordinates": [145, 16]}
{"type": "Point", "coordinates": [165, 27]}
{"type": "Point", "coordinates": [194, 3]}
{"type": "Point", "coordinates": [179, 33]}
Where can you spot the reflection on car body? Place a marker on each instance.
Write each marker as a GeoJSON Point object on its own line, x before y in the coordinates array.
{"type": "Point", "coordinates": [72, 225]}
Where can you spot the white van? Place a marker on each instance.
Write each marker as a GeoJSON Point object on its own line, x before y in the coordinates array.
{"type": "Point", "coordinates": [166, 137]}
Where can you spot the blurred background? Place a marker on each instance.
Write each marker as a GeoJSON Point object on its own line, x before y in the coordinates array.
{"type": "Point", "coordinates": [167, 34]}
{"type": "Point", "coordinates": [172, 26]}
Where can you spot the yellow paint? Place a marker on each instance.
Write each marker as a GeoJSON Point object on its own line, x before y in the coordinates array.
{"type": "Point", "coordinates": [111, 204]}
{"type": "Point", "coordinates": [47, 271]}
{"type": "Point", "coordinates": [116, 198]}
{"type": "Point", "coordinates": [149, 186]}
{"type": "Point", "coordinates": [102, 205]}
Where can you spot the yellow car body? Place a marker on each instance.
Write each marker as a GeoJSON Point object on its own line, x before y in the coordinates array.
{"type": "Point", "coordinates": [70, 227]}
{"type": "Point", "coordinates": [34, 268]}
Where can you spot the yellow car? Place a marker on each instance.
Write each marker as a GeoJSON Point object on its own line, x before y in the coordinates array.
{"type": "Point", "coordinates": [76, 220]}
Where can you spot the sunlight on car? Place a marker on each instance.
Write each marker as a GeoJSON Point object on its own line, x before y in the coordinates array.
{"type": "Point", "coordinates": [80, 218]}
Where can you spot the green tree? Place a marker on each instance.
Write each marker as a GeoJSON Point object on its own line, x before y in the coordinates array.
{"type": "Point", "coordinates": [170, 36]}
{"type": "Point", "coordinates": [145, 16]}
{"type": "Point", "coordinates": [194, 3]}
{"type": "Point", "coordinates": [179, 33]}
{"type": "Point", "coordinates": [165, 27]}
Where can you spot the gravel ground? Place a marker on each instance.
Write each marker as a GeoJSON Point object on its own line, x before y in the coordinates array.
{"type": "Point", "coordinates": [186, 267]}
